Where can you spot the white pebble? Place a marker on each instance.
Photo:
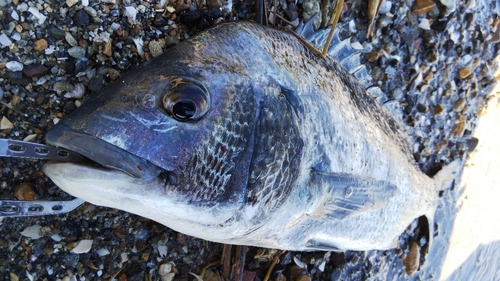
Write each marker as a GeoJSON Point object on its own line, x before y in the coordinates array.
{"type": "Point", "coordinates": [56, 237]}
{"type": "Point", "coordinates": [102, 252]}
{"type": "Point", "coordinates": [15, 36]}
{"type": "Point", "coordinates": [14, 15]}
{"type": "Point", "coordinates": [424, 24]}
{"type": "Point", "coordinates": [5, 40]}
{"type": "Point", "coordinates": [30, 277]}
{"type": "Point", "coordinates": [33, 231]}
{"type": "Point", "coordinates": [164, 269]}
{"type": "Point", "coordinates": [85, 3]}
{"type": "Point", "coordinates": [356, 46]}
{"type": "Point", "coordinates": [352, 26]}
{"type": "Point", "coordinates": [115, 26]}
{"type": "Point", "coordinates": [50, 50]}
{"type": "Point", "coordinates": [170, 9]}
{"type": "Point", "coordinates": [23, 7]}
{"type": "Point", "coordinates": [162, 250]}
{"type": "Point", "coordinates": [41, 17]}
{"type": "Point", "coordinates": [124, 257]}
{"type": "Point", "coordinates": [14, 66]}
{"type": "Point", "coordinates": [77, 92]}
{"type": "Point", "coordinates": [83, 246]}
{"type": "Point", "coordinates": [131, 12]}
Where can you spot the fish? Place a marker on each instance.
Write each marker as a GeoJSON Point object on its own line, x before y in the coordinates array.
{"type": "Point", "coordinates": [241, 135]}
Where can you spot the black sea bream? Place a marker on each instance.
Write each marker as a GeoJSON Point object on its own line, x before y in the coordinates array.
{"type": "Point", "coordinates": [242, 135]}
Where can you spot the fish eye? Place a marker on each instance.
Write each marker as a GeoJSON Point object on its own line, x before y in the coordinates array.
{"type": "Point", "coordinates": [186, 102]}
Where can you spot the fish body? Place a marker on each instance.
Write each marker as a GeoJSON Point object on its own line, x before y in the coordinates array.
{"type": "Point", "coordinates": [241, 135]}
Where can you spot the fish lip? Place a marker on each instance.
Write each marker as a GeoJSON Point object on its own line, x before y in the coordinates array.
{"type": "Point", "coordinates": [102, 152]}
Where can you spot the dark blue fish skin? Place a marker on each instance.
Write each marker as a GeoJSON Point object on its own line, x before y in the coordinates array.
{"type": "Point", "coordinates": [287, 150]}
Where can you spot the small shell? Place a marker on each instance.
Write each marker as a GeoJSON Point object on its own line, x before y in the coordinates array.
{"type": "Point", "coordinates": [25, 191]}
{"type": "Point", "coordinates": [6, 124]}
{"type": "Point", "coordinates": [83, 246]}
{"type": "Point", "coordinates": [32, 232]}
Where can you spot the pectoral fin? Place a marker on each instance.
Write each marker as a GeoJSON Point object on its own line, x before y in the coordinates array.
{"type": "Point", "coordinates": [345, 195]}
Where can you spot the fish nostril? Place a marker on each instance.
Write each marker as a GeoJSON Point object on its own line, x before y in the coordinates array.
{"type": "Point", "coordinates": [149, 101]}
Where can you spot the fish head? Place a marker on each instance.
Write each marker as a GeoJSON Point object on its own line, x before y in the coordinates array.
{"type": "Point", "coordinates": [174, 138]}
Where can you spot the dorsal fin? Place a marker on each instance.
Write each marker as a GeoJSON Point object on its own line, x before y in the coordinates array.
{"type": "Point", "coordinates": [349, 58]}
{"type": "Point", "coordinates": [342, 51]}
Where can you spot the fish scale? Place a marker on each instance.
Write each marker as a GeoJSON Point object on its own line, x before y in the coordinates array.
{"type": "Point", "coordinates": [304, 157]}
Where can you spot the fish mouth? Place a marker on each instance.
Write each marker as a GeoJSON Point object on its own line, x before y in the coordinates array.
{"type": "Point", "coordinates": [103, 153]}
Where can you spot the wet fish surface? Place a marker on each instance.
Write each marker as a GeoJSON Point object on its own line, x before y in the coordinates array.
{"type": "Point", "coordinates": [242, 135]}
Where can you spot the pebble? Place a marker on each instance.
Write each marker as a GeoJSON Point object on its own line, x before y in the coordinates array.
{"type": "Point", "coordinates": [311, 8]}
{"type": "Point", "coordinates": [423, 6]}
{"type": "Point", "coordinates": [76, 52]}
{"type": "Point", "coordinates": [464, 72]}
{"type": "Point", "coordinates": [63, 86]}
{"type": "Point", "coordinates": [70, 3]}
{"type": "Point", "coordinates": [424, 24]}
{"type": "Point", "coordinates": [14, 66]}
{"type": "Point", "coordinates": [41, 17]}
{"type": "Point", "coordinates": [113, 74]}
{"type": "Point", "coordinates": [5, 40]}
{"type": "Point", "coordinates": [77, 92]}
{"type": "Point", "coordinates": [374, 55]}
{"type": "Point", "coordinates": [33, 232]}
{"type": "Point", "coordinates": [56, 32]}
{"type": "Point", "coordinates": [56, 237]}
{"type": "Point", "coordinates": [81, 18]}
{"type": "Point", "coordinates": [171, 41]}
{"type": "Point", "coordinates": [25, 191]}
{"type": "Point", "coordinates": [70, 39]}
{"type": "Point", "coordinates": [412, 260]}
{"type": "Point", "coordinates": [5, 124]}
{"type": "Point", "coordinates": [164, 269]}
{"type": "Point", "coordinates": [131, 13]}
{"type": "Point", "coordinates": [90, 11]}
{"type": "Point", "coordinates": [168, 277]}
{"type": "Point", "coordinates": [83, 246]}
{"type": "Point", "coordinates": [451, 6]}
{"type": "Point", "coordinates": [23, 7]}
{"type": "Point", "coordinates": [102, 252]}
{"type": "Point", "coordinates": [108, 50]}
{"type": "Point", "coordinates": [155, 48]}
{"type": "Point", "coordinates": [40, 45]}
{"type": "Point", "coordinates": [13, 277]}
{"type": "Point", "coordinates": [458, 106]}
{"type": "Point", "coordinates": [14, 15]}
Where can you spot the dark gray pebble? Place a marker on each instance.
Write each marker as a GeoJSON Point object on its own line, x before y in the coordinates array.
{"type": "Point", "coordinates": [171, 41]}
{"type": "Point", "coordinates": [35, 70]}
{"type": "Point", "coordinates": [81, 18]}
{"type": "Point", "coordinates": [56, 32]}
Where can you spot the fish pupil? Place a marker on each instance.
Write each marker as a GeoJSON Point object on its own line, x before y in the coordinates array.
{"type": "Point", "coordinates": [184, 109]}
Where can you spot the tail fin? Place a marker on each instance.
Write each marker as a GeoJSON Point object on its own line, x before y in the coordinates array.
{"type": "Point", "coordinates": [450, 172]}
{"type": "Point", "coordinates": [443, 180]}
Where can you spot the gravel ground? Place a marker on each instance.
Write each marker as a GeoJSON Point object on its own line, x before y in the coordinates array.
{"type": "Point", "coordinates": [433, 60]}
